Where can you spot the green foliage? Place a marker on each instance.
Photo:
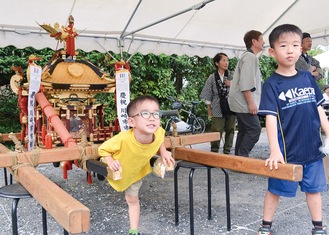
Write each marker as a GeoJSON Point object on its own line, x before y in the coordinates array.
{"type": "Point", "coordinates": [315, 51]}
{"type": "Point", "coordinates": [9, 116]}
{"type": "Point", "coordinates": [267, 66]}
{"type": "Point", "coordinates": [321, 83]}
{"type": "Point", "coordinates": [109, 103]}
{"type": "Point", "coordinates": [151, 75]}
{"type": "Point", "coordinates": [196, 74]}
{"type": "Point", "coordinates": [11, 56]}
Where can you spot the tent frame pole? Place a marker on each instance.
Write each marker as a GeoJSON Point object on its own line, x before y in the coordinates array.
{"type": "Point", "coordinates": [124, 34]}
{"type": "Point", "coordinates": [194, 7]}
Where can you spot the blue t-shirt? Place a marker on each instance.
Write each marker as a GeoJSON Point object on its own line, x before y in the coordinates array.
{"type": "Point", "coordinates": [294, 101]}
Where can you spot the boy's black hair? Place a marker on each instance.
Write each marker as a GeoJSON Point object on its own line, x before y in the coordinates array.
{"type": "Point", "coordinates": [218, 57]}
{"type": "Point", "coordinates": [138, 100]}
{"type": "Point", "coordinates": [284, 28]}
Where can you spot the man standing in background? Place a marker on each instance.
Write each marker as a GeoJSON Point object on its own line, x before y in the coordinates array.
{"type": "Point", "coordinates": [307, 62]}
{"type": "Point", "coordinates": [245, 92]}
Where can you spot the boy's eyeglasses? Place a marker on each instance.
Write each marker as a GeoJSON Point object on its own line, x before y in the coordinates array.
{"type": "Point", "coordinates": [147, 114]}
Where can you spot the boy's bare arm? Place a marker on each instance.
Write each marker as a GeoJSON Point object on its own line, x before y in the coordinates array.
{"type": "Point", "coordinates": [276, 156]}
{"type": "Point", "coordinates": [166, 155]}
{"type": "Point", "coordinates": [114, 165]}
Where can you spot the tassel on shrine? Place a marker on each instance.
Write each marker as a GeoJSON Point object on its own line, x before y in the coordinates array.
{"type": "Point", "coordinates": [49, 141]}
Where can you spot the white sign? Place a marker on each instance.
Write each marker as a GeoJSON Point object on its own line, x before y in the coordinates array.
{"type": "Point", "coordinates": [122, 97]}
{"type": "Point", "coordinates": [34, 86]}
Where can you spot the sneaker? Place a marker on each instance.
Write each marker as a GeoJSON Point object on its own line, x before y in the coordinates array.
{"type": "Point", "coordinates": [264, 230]}
{"type": "Point", "coordinates": [319, 230]}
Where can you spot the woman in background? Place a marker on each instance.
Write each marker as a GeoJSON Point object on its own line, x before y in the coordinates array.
{"type": "Point", "coordinates": [215, 93]}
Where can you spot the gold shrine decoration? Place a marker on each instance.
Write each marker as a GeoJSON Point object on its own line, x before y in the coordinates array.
{"type": "Point", "coordinates": [75, 70]}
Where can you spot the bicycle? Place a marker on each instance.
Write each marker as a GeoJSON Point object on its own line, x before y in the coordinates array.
{"type": "Point", "coordinates": [193, 123]}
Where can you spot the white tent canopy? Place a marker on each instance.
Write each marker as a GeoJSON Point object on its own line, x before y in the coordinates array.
{"type": "Point", "coordinates": [192, 27]}
{"type": "Point", "coordinates": [323, 58]}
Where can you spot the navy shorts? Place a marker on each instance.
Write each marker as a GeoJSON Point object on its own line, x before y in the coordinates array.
{"type": "Point", "coordinates": [314, 180]}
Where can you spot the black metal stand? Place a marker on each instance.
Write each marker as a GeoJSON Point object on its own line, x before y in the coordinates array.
{"type": "Point", "coordinates": [192, 167]}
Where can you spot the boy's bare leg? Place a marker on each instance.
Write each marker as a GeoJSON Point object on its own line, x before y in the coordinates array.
{"type": "Point", "coordinates": [270, 205]}
{"type": "Point", "coordinates": [314, 203]}
{"type": "Point", "coordinates": [134, 210]}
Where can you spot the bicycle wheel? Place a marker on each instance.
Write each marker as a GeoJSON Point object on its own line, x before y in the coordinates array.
{"type": "Point", "coordinates": [198, 126]}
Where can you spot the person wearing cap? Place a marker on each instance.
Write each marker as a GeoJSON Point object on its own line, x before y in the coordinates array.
{"type": "Point", "coordinates": [307, 62]}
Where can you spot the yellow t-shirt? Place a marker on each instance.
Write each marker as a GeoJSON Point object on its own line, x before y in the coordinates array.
{"type": "Point", "coordinates": [133, 156]}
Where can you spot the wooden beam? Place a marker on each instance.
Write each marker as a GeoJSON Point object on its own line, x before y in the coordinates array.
{"type": "Point", "coordinates": [45, 156]}
{"type": "Point", "coordinates": [5, 137]}
{"type": "Point", "coordinates": [243, 164]}
{"type": "Point", "coordinates": [191, 139]}
{"type": "Point", "coordinates": [3, 149]}
{"type": "Point", "coordinates": [188, 139]}
{"type": "Point", "coordinates": [72, 215]}
{"type": "Point", "coordinates": [74, 153]}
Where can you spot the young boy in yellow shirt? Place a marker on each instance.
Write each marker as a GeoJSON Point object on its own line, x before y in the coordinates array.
{"type": "Point", "coordinates": [131, 151]}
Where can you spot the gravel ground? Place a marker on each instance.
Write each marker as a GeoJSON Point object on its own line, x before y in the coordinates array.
{"type": "Point", "coordinates": [109, 211]}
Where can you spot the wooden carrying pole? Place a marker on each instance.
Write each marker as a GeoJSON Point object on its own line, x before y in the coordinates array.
{"type": "Point", "coordinates": [45, 156]}
{"type": "Point", "coordinates": [74, 153]}
{"type": "Point", "coordinates": [6, 138]}
{"type": "Point", "coordinates": [73, 216]}
{"type": "Point", "coordinates": [243, 164]}
{"type": "Point", "coordinates": [172, 142]}
{"type": "Point", "coordinates": [187, 139]}
{"type": "Point", "coordinates": [248, 165]}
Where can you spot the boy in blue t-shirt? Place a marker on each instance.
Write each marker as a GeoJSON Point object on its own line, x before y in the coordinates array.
{"type": "Point", "coordinates": [291, 101]}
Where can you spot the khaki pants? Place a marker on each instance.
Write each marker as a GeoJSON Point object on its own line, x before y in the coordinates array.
{"type": "Point", "coordinates": [133, 189]}
{"type": "Point", "coordinates": [222, 125]}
